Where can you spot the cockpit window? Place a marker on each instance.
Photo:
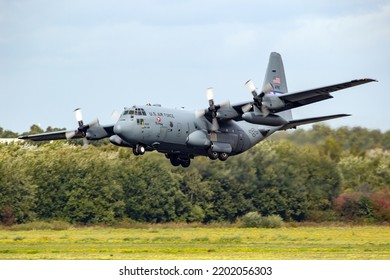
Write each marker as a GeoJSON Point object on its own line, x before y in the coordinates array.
{"type": "Point", "coordinates": [139, 112]}
{"type": "Point", "coordinates": [136, 111]}
{"type": "Point", "coordinates": [128, 112]}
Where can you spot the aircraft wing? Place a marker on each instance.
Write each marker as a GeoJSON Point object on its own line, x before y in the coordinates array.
{"type": "Point", "coordinates": [295, 123]}
{"type": "Point", "coordinates": [93, 133]}
{"type": "Point", "coordinates": [301, 98]}
{"type": "Point", "coordinates": [48, 136]}
{"type": "Point", "coordinates": [291, 100]}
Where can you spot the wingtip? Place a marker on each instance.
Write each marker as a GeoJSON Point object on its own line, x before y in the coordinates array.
{"type": "Point", "coordinates": [370, 80]}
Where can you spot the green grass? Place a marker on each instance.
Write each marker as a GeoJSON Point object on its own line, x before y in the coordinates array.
{"type": "Point", "coordinates": [368, 242]}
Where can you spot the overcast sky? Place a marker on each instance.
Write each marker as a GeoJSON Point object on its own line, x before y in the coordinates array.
{"type": "Point", "coordinates": [101, 56]}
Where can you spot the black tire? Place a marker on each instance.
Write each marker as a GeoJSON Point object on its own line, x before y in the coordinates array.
{"type": "Point", "coordinates": [223, 156]}
{"type": "Point", "coordinates": [174, 161]}
{"type": "Point", "coordinates": [212, 155]}
{"type": "Point", "coordinates": [135, 151]}
{"type": "Point", "coordinates": [140, 149]}
{"type": "Point", "coordinates": [185, 163]}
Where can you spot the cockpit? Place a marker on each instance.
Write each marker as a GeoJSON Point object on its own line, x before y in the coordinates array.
{"type": "Point", "coordinates": [134, 112]}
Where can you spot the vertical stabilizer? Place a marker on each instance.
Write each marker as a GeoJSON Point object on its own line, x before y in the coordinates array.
{"type": "Point", "coordinates": [276, 76]}
{"type": "Point", "coordinates": [275, 73]}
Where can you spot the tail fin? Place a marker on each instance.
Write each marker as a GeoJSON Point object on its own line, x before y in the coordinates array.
{"type": "Point", "coordinates": [275, 73]}
{"type": "Point", "coordinates": [276, 76]}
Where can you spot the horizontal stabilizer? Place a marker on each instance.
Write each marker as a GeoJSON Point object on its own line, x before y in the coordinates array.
{"type": "Point", "coordinates": [295, 123]}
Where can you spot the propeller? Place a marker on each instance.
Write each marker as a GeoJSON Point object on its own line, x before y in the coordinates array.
{"type": "Point", "coordinates": [215, 112]}
{"type": "Point", "coordinates": [212, 109]}
{"type": "Point", "coordinates": [258, 98]}
{"type": "Point", "coordinates": [82, 129]}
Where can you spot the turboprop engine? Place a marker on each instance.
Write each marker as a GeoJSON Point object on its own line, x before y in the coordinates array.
{"type": "Point", "coordinates": [266, 101]}
{"type": "Point", "coordinates": [256, 118]}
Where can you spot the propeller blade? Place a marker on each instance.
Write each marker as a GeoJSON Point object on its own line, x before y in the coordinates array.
{"type": "Point", "coordinates": [79, 116]}
{"type": "Point", "coordinates": [70, 134]}
{"type": "Point", "coordinates": [210, 93]}
{"type": "Point", "coordinates": [115, 116]}
{"type": "Point", "coordinates": [210, 97]}
{"type": "Point", "coordinates": [93, 123]}
{"type": "Point", "coordinates": [251, 87]}
{"type": "Point", "coordinates": [268, 88]}
{"type": "Point", "coordinates": [225, 105]}
{"type": "Point", "coordinates": [215, 125]}
{"type": "Point", "coordinates": [200, 113]}
{"type": "Point", "coordinates": [265, 110]}
{"type": "Point", "coordinates": [85, 143]}
{"type": "Point", "coordinates": [247, 107]}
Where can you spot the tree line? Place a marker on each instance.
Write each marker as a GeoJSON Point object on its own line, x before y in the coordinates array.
{"type": "Point", "coordinates": [317, 175]}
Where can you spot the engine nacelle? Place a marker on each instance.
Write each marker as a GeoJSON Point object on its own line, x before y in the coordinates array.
{"type": "Point", "coordinates": [116, 140]}
{"type": "Point", "coordinates": [272, 120]}
{"type": "Point", "coordinates": [272, 101]}
{"type": "Point", "coordinates": [198, 138]}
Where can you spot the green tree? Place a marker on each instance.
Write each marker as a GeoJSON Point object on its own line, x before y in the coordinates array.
{"type": "Point", "coordinates": [151, 193]}
{"type": "Point", "coordinates": [17, 192]}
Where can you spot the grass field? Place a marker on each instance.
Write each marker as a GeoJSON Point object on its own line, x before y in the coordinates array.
{"type": "Point", "coordinates": [159, 243]}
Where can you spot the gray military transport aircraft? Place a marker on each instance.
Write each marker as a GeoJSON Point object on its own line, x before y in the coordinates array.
{"type": "Point", "coordinates": [218, 132]}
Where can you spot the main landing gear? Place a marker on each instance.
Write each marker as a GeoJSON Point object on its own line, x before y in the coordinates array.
{"type": "Point", "coordinates": [214, 155]}
{"type": "Point", "coordinates": [176, 160]}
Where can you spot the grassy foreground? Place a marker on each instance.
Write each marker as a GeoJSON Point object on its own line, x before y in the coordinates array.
{"type": "Point", "coordinates": [157, 243]}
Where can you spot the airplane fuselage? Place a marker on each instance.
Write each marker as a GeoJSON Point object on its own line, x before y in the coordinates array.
{"type": "Point", "coordinates": [179, 133]}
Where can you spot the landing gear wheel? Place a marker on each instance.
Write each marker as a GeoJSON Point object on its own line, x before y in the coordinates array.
{"type": "Point", "coordinates": [174, 160]}
{"type": "Point", "coordinates": [223, 156]}
{"type": "Point", "coordinates": [212, 155]}
{"type": "Point", "coordinates": [185, 163]}
{"type": "Point", "coordinates": [138, 150]}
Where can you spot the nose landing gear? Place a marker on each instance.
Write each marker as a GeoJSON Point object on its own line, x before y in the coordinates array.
{"type": "Point", "coordinates": [139, 149]}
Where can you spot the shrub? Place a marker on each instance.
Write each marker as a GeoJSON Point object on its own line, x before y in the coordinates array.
{"type": "Point", "coordinates": [254, 219]}
{"type": "Point", "coordinates": [251, 219]}
{"type": "Point", "coordinates": [273, 221]}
